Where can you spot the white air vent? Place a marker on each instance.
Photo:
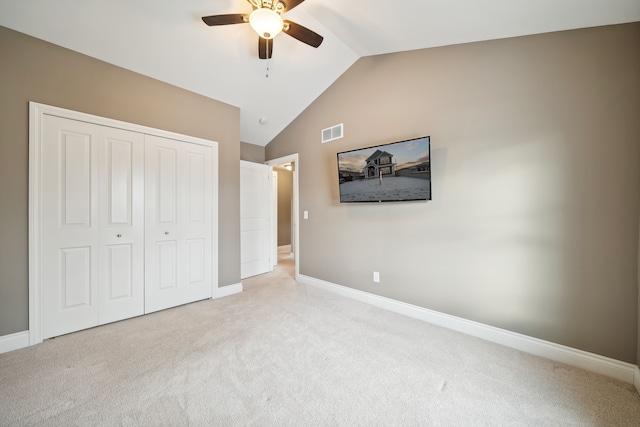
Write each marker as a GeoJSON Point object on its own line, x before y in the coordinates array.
{"type": "Point", "coordinates": [334, 132]}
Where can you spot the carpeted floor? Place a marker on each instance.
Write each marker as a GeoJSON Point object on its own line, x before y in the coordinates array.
{"type": "Point", "coordinates": [284, 354]}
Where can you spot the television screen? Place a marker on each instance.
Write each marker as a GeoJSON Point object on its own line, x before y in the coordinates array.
{"type": "Point", "coordinates": [394, 172]}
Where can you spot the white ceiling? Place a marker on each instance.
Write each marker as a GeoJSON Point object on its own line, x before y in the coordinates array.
{"type": "Point", "coordinates": [167, 40]}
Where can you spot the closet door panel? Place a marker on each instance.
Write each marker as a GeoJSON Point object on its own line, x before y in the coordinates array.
{"type": "Point", "coordinates": [196, 187]}
{"type": "Point", "coordinates": [178, 223]}
{"type": "Point", "coordinates": [92, 225]}
{"type": "Point", "coordinates": [75, 174]}
{"type": "Point", "coordinates": [120, 176]}
{"type": "Point", "coordinates": [121, 257]}
{"type": "Point", "coordinates": [162, 235]}
{"type": "Point", "coordinates": [167, 268]}
{"type": "Point", "coordinates": [69, 237]}
{"type": "Point", "coordinates": [198, 221]}
{"type": "Point", "coordinates": [75, 278]}
{"type": "Point", "coordinates": [196, 260]}
{"type": "Point", "coordinates": [119, 273]}
{"type": "Point", "coordinates": [167, 185]}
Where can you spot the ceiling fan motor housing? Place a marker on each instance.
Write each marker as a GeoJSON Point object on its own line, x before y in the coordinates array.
{"type": "Point", "coordinates": [268, 4]}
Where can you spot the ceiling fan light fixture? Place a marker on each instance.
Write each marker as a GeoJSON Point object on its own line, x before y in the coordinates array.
{"type": "Point", "coordinates": [266, 22]}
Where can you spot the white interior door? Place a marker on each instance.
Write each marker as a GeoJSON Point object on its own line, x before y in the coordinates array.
{"type": "Point", "coordinates": [178, 223]}
{"type": "Point", "coordinates": [92, 232]}
{"type": "Point", "coordinates": [254, 219]}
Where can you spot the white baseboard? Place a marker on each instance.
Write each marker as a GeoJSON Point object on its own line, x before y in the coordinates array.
{"type": "Point", "coordinates": [636, 378]}
{"type": "Point", "coordinates": [592, 362]}
{"type": "Point", "coordinates": [14, 341]}
{"type": "Point", "coordinates": [225, 291]}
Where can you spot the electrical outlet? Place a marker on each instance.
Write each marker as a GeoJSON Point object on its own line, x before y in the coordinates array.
{"type": "Point", "coordinates": [376, 276]}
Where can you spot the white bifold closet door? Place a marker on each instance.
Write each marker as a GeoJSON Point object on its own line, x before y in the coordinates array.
{"type": "Point", "coordinates": [178, 223]}
{"type": "Point", "coordinates": [92, 225]}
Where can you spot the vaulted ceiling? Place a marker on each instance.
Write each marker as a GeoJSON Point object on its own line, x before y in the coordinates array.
{"type": "Point", "coordinates": [167, 40]}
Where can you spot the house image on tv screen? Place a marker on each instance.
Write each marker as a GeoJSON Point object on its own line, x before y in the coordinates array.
{"type": "Point", "coordinates": [379, 163]}
{"type": "Point", "coordinates": [397, 171]}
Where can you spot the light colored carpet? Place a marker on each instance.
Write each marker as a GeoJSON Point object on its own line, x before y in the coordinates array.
{"type": "Point", "coordinates": [284, 354]}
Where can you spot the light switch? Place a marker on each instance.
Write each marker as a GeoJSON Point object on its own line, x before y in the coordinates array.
{"type": "Point", "coordinates": [306, 214]}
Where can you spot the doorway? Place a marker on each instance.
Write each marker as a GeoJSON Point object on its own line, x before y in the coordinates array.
{"type": "Point", "coordinates": [292, 166]}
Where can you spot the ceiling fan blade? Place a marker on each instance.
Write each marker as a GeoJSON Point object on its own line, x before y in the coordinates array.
{"type": "Point", "coordinates": [290, 4]}
{"type": "Point", "coordinates": [303, 34]}
{"type": "Point", "coordinates": [233, 18]}
{"type": "Point", "coordinates": [265, 48]}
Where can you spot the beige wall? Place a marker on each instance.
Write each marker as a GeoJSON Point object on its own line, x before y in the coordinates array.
{"type": "Point", "coordinates": [533, 225]}
{"type": "Point", "coordinates": [251, 152]}
{"type": "Point", "coordinates": [33, 70]}
{"type": "Point", "coordinates": [285, 194]}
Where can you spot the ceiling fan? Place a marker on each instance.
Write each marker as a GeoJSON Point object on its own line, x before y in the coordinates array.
{"type": "Point", "coordinates": [266, 20]}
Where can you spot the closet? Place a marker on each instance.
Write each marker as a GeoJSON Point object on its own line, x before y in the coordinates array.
{"type": "Point", "coordinates": [126, 222]}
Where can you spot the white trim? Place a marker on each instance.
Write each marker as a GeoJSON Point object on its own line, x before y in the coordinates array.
{"type": "Point", "coordinates": [225, 291]}
{"type": "Point", "coordinates": [14, 341]}
{"type": "Point", "coordinates": [296, 205]}
{"type": "Point", "coordinates": [35, 215]}
{"type": "Point", "coordinates": [36, 113]}
{"type": "Point", "coordinates": [636, 378]}
{"type": "Point", "coordinates": [593, 362]}
{"type": "Point", "coordinates": [215, 199]}
{"type": "Point", "coordinates": [42, 109]}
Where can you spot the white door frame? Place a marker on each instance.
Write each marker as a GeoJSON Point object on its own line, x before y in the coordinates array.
{"type": "Point", "coordinates": [273, 226]}
{"type": "Point", "coordinates": [296, 206]}
{"type": "Point", "coordinates": [37, 112]}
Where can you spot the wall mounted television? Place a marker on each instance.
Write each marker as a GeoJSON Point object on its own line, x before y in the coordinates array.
{"type": "Point", "coordinates": [394, 172]}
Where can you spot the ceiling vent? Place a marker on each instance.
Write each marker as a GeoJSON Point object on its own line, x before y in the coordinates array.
{"type": "Point", "coordinates": [334, 132]}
